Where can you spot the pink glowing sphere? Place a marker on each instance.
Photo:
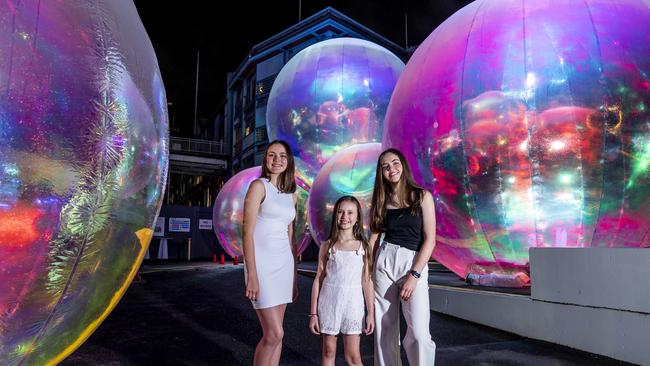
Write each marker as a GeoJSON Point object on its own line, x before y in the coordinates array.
{"type": "Point", "coordinates": [528, 120]}
{"type": "Point", "coordinates": [228, 213]}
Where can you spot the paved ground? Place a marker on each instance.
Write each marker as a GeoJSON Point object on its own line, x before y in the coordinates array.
{"type": "Point", "coordinates": [197, 315]}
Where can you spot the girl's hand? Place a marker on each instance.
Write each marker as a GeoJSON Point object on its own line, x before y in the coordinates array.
{"type": "Point", "coordinates": [408, 287]}
{"type": "Point", "coordinates": [252, 287]}
{"type": "Point", "coordinates": [314, 327]}
{"type": "Point", "coordinates": [370, 324]}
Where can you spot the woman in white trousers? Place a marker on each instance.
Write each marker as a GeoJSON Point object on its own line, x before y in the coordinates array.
{"type": "Point", "coordinates": [405, 214]}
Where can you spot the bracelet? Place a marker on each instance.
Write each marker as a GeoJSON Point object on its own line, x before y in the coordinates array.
{"type": "Point", "coordinates": [310, 315]}
{"type": "Point", "coordinates": [414, 273]}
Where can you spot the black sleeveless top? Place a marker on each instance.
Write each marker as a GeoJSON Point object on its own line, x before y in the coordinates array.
{"type": "Point", "coordinates": [404, 229]}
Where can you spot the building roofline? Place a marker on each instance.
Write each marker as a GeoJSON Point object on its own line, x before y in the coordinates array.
{"type": "Point", "coordinates": [271, 44]}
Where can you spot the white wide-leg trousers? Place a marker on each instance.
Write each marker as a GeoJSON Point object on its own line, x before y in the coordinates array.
{"type": "Point", "coordinates": [392, 264]}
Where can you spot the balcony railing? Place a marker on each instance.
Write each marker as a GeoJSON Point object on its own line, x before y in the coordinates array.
{"type": "Point", "coordinates": [194, 146]}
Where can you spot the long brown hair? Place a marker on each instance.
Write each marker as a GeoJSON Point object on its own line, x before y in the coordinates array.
{"type": "Point", "coordinates": [410, 194]}
{"type": "Point", "coordinates": [286, 180]}
{"type": "Point", "coordinates": [357, 231]}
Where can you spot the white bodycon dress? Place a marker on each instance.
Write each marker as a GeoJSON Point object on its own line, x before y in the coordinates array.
{"type": "Point", "coordinates": [273, 257]}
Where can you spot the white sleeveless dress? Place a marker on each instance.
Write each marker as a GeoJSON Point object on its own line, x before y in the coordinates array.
{"type": "Point", "coordinates": [273, 257]}
{"type": "Point", "coordinates": [340, 302]}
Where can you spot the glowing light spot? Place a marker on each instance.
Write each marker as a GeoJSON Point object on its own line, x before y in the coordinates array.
{"type": "Point", "coordinates": [641, 107]}
{"type": "Point", "coordinates": [18, 226]}
{"type": "Point", "coordinates": [556, 145]}
{"type": "Point", "coordinates": [531, 80]}
{"type": "Point", "coordinates": [565, 178]}
{"type": "Point", "coordinates": [11, 169]}
{"type": "Point", "coordinates": [565, 196]}
{"type": "Point", "coordinates": [524, 145]}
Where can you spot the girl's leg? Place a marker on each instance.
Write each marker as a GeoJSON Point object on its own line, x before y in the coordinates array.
{"type": "Point", "coordinates": [351, 348]}
{"type": "Point", "coordinates": [329, 349]}
{"type": "Point", "coordinates": [269, 348]}
{"type": "Point", "coordinates": [420, 348]}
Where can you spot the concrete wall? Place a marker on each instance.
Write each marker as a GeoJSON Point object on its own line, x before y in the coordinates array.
{"type": "Point", "coordinates": [575, 295]}
{"type": "Point", "coordinates": [616, 278]}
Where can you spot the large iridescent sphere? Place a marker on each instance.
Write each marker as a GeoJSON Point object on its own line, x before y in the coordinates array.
{"type": "Point", "coordinates": [228, 213]}
{"type": "Point", "coordinates": [83, 163]}
{"type": "Point", "coordinates": [350, 172]}
{"type": "Point", "coordinates": [331, 95]}
{"type": "Point", "coordinates": [529, 121]}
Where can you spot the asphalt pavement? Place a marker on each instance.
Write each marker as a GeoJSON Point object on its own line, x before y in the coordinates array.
{"type": "Point", "coordinates": [196, 314]}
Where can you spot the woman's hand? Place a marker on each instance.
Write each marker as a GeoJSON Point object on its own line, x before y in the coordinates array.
{"type": "Point", "coordinates": [408, 287]}
{"type": "Point", "coordinates": [314, 327]}
{"type": "Point", "coordinates": [370, 324]}
{"type": "Point", "coordinates": [252, 287]}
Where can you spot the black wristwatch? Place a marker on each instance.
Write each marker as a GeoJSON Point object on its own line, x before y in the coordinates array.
{"type": "Point", "coordinates": [415, 273]}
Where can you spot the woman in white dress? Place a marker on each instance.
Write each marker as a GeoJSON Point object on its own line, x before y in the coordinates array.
{"type": "Point", "coordinates": [341, 284]}
{"type": "Point", "coordinates": [269, 253]}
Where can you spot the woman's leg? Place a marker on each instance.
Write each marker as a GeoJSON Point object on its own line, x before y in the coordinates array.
{"type": "Point", "coordinates": [351, 348]}
{"type": "Point", "coordinates": [329, 349]}
{"type": "Point", "coordinates": [420, 348]}
{"type": "Point", "coordinates": [269, 348]}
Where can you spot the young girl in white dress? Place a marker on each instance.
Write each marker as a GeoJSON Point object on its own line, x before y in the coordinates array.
{"type": "Point", "coordinates": [342, 283]}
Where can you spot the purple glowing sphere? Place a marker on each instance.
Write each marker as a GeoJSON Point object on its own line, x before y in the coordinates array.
{"type": "Point", "coordinates": [331, 95]}
{"type": "Point", "coordinates": [528, 120]}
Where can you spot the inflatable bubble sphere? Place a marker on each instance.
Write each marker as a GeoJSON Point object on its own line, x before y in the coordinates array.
{"type": "Point", "coordinates": [350, 172]}
{"type": "Point", "coordinates": [83, 164]}
{"type": "Point", "coordinates": [331, 95]}
{"type": "Point", "coordinates": [228, 213]}
{"type": "Point", "coordinates": [528, 120]}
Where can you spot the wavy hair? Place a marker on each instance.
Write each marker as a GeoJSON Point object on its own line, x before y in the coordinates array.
{"type": "Point", "coordinates": [410, 194]}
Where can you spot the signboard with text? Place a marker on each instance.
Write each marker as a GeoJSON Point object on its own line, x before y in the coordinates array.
{"type": "Point", "coordinates": [205, 224]}
{"type": "Point", "coordinates": [179, 225]}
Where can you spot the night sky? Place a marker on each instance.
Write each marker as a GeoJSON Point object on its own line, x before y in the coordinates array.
{"type": "Point", "coordinates": [178, 29]}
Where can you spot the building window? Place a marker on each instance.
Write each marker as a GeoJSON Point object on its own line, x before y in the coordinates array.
{"type": "Point", "coordinates": [261, 135]}
{"type": "Point", "coordinates": [250, 126]}
{"type": "Point", "coordinates": [263, 87]}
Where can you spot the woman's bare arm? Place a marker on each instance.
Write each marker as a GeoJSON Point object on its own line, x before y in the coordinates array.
{"type": "Point", "coordinates": [254, 197]}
